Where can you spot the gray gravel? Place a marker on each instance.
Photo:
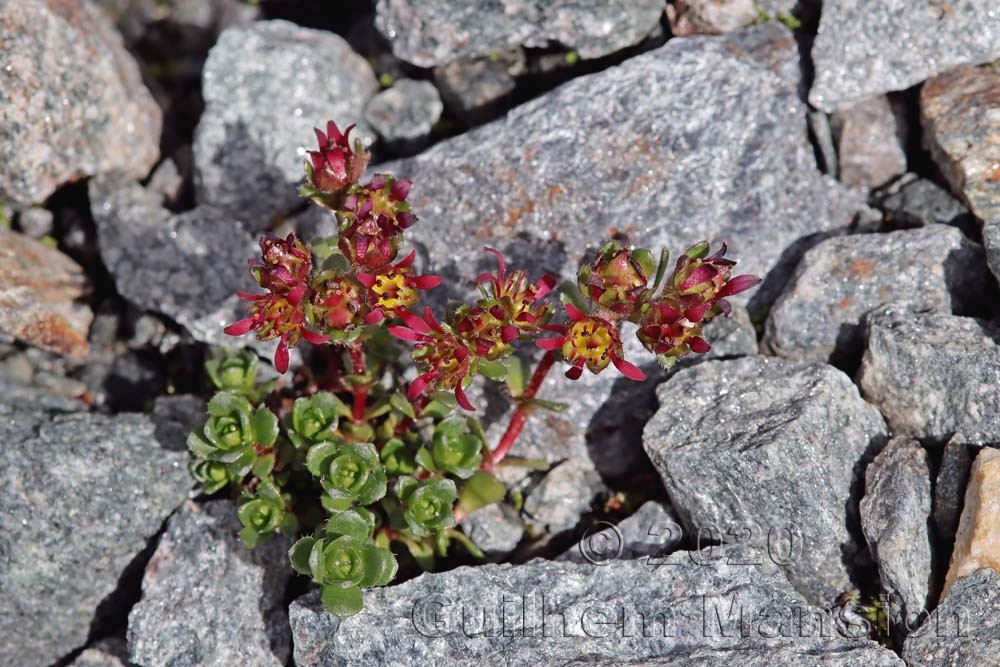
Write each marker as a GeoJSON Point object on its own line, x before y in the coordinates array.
{"type": "Point", "coordinates": [871, 142]}
{"type": "Point", "coordinates": [840, 280]}
{"type": "Point", "coordinates": [266, 85]}
{"type": "Point", "coordinates": [80, 495]}
{"type": "Point", "coordinates": [433, 32]}
{"type": "Point", "coordinates": [404, 115]}
{"type": "Point", "coordinates": [933, 375]}
{"type": "Point", "coordinates": [895, 516]}
{"type": "Point", "coordinates": [60, 122]}
{"type": "Point", "coordinates": [770, 452]}
{"type": "Point", "coordinates": [207, 600]}
{"type": "Point", "coordinates": [868, 48]}
{"type": "Point", "coordinates": [912, 201]}
{"type": "Point", "coordinates": [652, 532]}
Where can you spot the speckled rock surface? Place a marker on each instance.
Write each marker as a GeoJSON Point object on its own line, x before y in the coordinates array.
{"type": "Point", "coordinates": [433, 32]}
{"type": "Point", "coordinates": [866, 48]}
{"type": "Point", "coordinates": [187, 266]}
{"type": "Point", "coordinates": [209, 601]}
{"type": "Point", "coordinates": [266, 85]}
{"type": "Point", "coordinates": [770, 452]}
{"type": "Point", "coordinates": [840, 280]}
{"type": "Point", "coordinates": [933, 375]}
{"type": "Point", "coordinates": [964, 630]}
{"type": "Point", "coordinates": [710, 17]}
{"type": "Point", "coordinates": [106, 653]}
{"type": "Point", "coordinates": [496, 529]}
{"type": "Point", "coordinates": [952, 478]}
{"type": "Point", "coordinates": [960, 111]}
{"type": "Point", "coordinates": [786, 656]}
{"type": "Point", "coordinates": [42, 308]}
{"type": "Point", "coordinates": [977, 542]}
{"type": "Point", "coordinates": [562, 496]}
{"type": "Point", "coordinates": [894, 519]}
{"type": "Point", "coordinates": [871, 141]}
{"type": "Point", "coordinates": [991, 242]}
{"type": "Point", "coordinates": [80, 495]}
{"type": "Point", "coordinates": [652, 531]}
{"type": "Point", "coordinates": [470, 86]}
{"type": "Point", "coordinates": [404, 115]}
{"type": "Point", "coordinates": [915, 202]}
{"type": "Point", "coordinates": [554, 612]}
{"type": "Point", "coordinates": [61, 122]}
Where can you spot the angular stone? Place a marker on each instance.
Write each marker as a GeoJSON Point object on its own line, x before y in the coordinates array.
{"type": "Point", "coordinates": [207, 600]}
{"type": "Point", "coordinates": [80, 495]}
{"type": "Point", "coordinates": [964, 630]}
{"type": "Point", "coordinates": [73, 103]}
{"type": "Point", "coordinates": [187, 266]}
{"type": "Point", "coordinates": [991, 242]}
{"type": "Point", "coordinates": [859, 656]}
{"type": "Point", "coordinates": [562, 496]}
{"type": "Point", "coordinates": [933, 375]}
{"type": "Point", "coordinates": [434, 32]}
{"type": "Point", "coordinates": [917, 202]}
{"type": "Point", "coordinates": [106, 653]}
{"type": "Point", "coordinates": [960, 111]}
{"type": "Point", "coordinates": [36, 222]}
{"type": "Point", "coordinates": [549, 613]}
{"type": "Point", "coordinates": [496, 529]}
{"type": "Point", "coordinates": [871, 142]}
{"type": "Point", "coordinates": [710, 17]}
{"type": "Point", "coordinates": [868, 48]}
{"type": "Point", "coordinates": [894, 519]}
{"type": "Point", "coordinates": [471, 86]}
{"type": "Point", "coordinates": [404, 115]}
{"type": "Point", "coordinates": [42, 307]}
{"type": "Point", "coordinates": [949, 486]}
{"type": "Point", "coordinates": [266, 86]}
{"type": "Point", "coordinates": [653, 530]}
{"type": "Point", "coordinates": [977, 543]}
{"type": "Point", "coordinates": [840, 280]}
{"type": "Point", "coordinates": [769, 452]}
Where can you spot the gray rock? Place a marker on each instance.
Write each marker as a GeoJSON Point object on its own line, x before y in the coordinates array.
{"type": "Point", "coordinates": [564, 494]}
{"type": "Point", "coordinates": [175, 417]}
{"type": "Point", "coordinates": [547, 613]}
{"type": "Point", "coordinates": [785, 656]}
{"type": "Point", "coordinates": [960, 111]}
{"type": "Point", "coordinates": [266, 86]}
{"type": "Point", "coordinates": [434, 32]}
{"type": "Point", "coordinates": [868, 48]}
{"type": "Point", "coordinates": [106, 653]}
{"type": "Point", "coordinates": [964, 630]}
{"type": "Point", "coordinates": [949, 486]}
{"type": "Point", "coordinates": [822, 134]}
{"type": "Point", "coordinates": [933, 375]}
{"type": "Point", "coordinates": [840, 280]}
{"type": "Point", "coordinates": [80, 495]}
{"type": "Point", "coordinates": [404, 115]}
{"type": "Point", "coordinates": [916, 202]}
{"type": "Point", "coordinates": [186, 266]}
{"type": "Point", "coordinates": [710, 17]}
{"type": "Point", "coordinates": [770, 452]}
{"type": "Point", "coordinates": [895, 516]}
{"type": "Point", "coordinates": [73, 101]}
{"type": "Point", "coordinates": [496, 529]}
{"type": "Point", "coordinates": [991, 242]}
{"type": "Point", "coordinates": [207, 600]}
{"type": "Point", "coordinates": [36, 222]}
{"type": "Point", "coordinates": [470, 87]}
{"type": "Point", "coordinates": [871, 142]}
{"type": "Point", "coordinates": [653, 530]}
{"type": "Point", "coordinates": [42, 308]}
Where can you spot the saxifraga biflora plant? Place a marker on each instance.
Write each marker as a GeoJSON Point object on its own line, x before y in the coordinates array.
{"type": "Point", "coordinates": [348, 457]}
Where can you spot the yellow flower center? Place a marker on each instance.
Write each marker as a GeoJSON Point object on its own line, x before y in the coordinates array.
{"type": "Point", "coordinates": [392, 291]}
{"type": "Point", "coordinates": [590, 340]}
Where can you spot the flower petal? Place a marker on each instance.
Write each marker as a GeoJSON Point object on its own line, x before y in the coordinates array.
{"type": "Point", "coordinates": [404, 333]}
{"type": "Point", "coordinates": [400, 189]}
{"type": "Point", "coordinates": [738, 284]}
{"type": "Point", "coordinates": [574, 313]}
{"type": "Point", "coordinates": [419, 384]}
{"type": "Point", "coordinates": [628, 369]}
{"type": "Point", "coordinates": [549, 343]}
{"type": "Point", "coordinates": [374, 317]}
{"type": "Point", "coordinates": [296, 293]}
{"type": "Point", "coordinates": [413, 321]}
{"type": "Point", "coordinates": [281, 356]}
{"type": "Point", "coordinates": [313, 337]}
{"type": "Point", "coordinates": [462, 399]}
{"type": "Point", "coordinates": [239, 328]}
{"type": "Point", "coordinates": [699, 345]}
{"type": "Point", "coordinates": [425, 282]}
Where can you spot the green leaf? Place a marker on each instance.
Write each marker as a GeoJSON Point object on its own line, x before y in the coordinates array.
{"type": "Point", "coordinates": [225, 403]}
{"type": "Point", "coordinates": [249, 537]}
{"type": "Point", "coordinates": [341, 601]}
{"type": "Point", "coordinates": [405, 485]}
{"type": "Point", "coordinates": [494, 370]}
{"type": "Point", "coordinates": [402, 404]}
{"type": "Point", "coordinates": [480, 490]}
{"type": "Point", "coordinates": [265, 427]}
{"type": "Point", "coordinates": [661, 268]}
{"type": "Point", "coordinates": [397, 458]}
{"type": "Point", "coordinates": [319, 454]}
{"type": "Point", "coordinates": [199, 446]}
{"type": "Point", "coordinates": [698, 250]}
{"type": "Point", "coordinates": [263, 466]}
{"type": "Point", "coordinates": [518, 372]}
{"type": "Point", "coordinates": [424, 459]}
{"type": "Point", "coordinates": [422, 553]}
{"type": "Point", "coordinates": [552, 406]}
{"type": "Point", "coordinates": [299, 555]}
{"type": "Point", "coordinates": [349, 523]}
{"type": "Point", "coordinates": [316, 564]}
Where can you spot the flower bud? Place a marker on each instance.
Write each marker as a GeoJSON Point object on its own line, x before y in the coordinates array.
{"type": "Point", "coordinates": [617, 278]}
{"type": "Point", "coordinates": [334, 167]}
{"type": "Point", "coordinates": [372, 221]}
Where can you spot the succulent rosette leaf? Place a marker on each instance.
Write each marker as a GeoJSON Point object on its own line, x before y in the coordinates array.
{"type": "Point", "coordinates": [429, 506]}
{"type": "Point", "coordinates": [398, 457]}
{"type": "Point", "coordinates": [349, 473]}
{"type": "Point", "coordinates": [236, 373]}
{"type": "Point", "coordinates": [263, 515]}
{"type": "Point", "coordinates": [211, 475]}
{"type": "Point", "coordinates": [455, 450]}
{"type": "Point", "coordinates": [315, 419]}
{"type": "Point", "coordinates": [233, 432]}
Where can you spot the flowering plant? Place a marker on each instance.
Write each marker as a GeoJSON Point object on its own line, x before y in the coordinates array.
{"type": "Point", "coordinates": [352, 459]}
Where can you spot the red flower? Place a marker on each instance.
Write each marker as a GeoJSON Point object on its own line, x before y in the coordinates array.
{"type": "Point", "coordinates": [441, 356]}
{"type": "Point", "coordinates": [373, 219]}
{"type": "Point", "coordinates": [338, 304]}
{"type": "Point", "coordinates": [284, 263]}
{"type": "Point", "coordinates": [511, 301]}
{"type": "Point", "coordinates": [671, 332]}
{"type": "Point", "coordinates": [395, 289]}
{"type": "Point", "coordinates": [706, 279]}
{"type": "Point", "coordinates": [591, 342]}
{"type": "Point", "coordinates": [276, 316]}
{"type": "Point", "coordinates": [617, 279]}
{"type": "Point", "coordinates": [335, 167]}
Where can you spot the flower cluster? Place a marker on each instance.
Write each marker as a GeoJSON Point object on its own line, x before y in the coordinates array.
{"type": "Point", "coordinates": [363, 467]}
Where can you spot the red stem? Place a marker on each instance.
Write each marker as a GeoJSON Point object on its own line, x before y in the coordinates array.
{"type": "Point", "coordinates": [357, 355]}
{"type": "Point", "coordinates": [520, 415]}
